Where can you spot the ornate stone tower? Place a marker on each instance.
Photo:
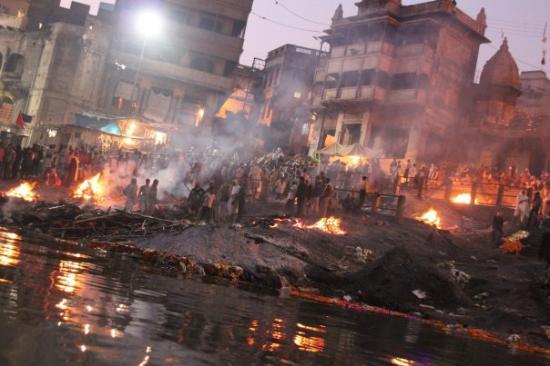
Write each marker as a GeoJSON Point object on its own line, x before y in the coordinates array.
{"type": "Point", "coordinates": [499, 89]}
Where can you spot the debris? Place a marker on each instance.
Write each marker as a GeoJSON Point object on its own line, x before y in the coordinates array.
{"type": "Point", "coordinates": [429, 307]}
{"type": "Point", "coordinates": [481, 296]}
{"type": "Point", "coordinates": [364, 255]}
{"type": "Point", "coordinates": [421, 295]}
{"type": "Point", "coordinates": [347, 298]}
{"type": "Point", "coordinates": [513, 338]}
{"type": "Point", "coordinates": [546, 329]}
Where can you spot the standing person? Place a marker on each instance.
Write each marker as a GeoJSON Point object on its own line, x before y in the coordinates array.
{"type": "Point", "coordinates": [301, 192]}
{"type": "Point", "coordinates": [18, 160]}
{"type": "Point", "coordinates": [74, 166]}
{"type": "Point", "coordinates": [143, 194]}
{"type": "Point", "coordinates": [536, 207]}
{"type": "Point", "coordinates": [131, 193]}
{"type": "Point", "coordinates": [195, 199]}
{"type": "Point", "coordinates": [363, 185]}
{"type": "Point", "coordinates": [233, 202]}
{"type": "Point", "coordinates": [9, 159]}
{"type": "Point", "coordinates": [498, 228]}
{"type": "Point", "coordinates": [206, 213]}
{"type": "Point", "coordinates": [318, 189]}
{"type": "Point", "coordinates": [326, 198]}
{"type": "Point", "coordinates": [421, 182]}
{"type": "Point", "coordinates": [522, 207]}
{"type": "Point", "coordinates": [152, 198]}
{"type": "Point", "coordinates": [2, 155]}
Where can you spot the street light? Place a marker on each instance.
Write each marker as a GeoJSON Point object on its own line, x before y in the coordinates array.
{"type": "Point", "coordinates": [149, 24]}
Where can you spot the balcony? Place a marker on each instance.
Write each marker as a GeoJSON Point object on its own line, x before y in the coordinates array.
{"type": "Point", "coordinates": [175, 72]}
{"type": "Point", "coordinates": [354, 94]}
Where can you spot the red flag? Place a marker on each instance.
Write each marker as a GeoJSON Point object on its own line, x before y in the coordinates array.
{"type": "Point", "coordinates": [20, 121]}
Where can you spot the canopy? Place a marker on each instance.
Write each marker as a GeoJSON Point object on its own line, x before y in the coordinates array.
{"type": "Point", "coordinates": [334, 149]}
{"type": "Point", "coordinates": [360, 150]}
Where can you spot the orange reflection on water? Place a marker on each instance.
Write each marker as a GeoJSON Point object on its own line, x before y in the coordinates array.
{"type": "Point", "coordinates": [9, 250]}
{"type": "Point", "coordinates": [309, 343]}
{"type": "Point", "coordinates": [67, 279]}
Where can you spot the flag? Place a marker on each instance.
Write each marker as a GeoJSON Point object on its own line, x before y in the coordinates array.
{"type": "Point", "coordinates": [22, 118]}
{"type": "Point", "coordinates": [20, 121]}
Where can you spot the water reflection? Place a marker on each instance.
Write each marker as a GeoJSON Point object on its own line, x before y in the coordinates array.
{"type": "Point", "coordinates": [9, 249]}
{"type": "Point", "coordinates": [109, 311]}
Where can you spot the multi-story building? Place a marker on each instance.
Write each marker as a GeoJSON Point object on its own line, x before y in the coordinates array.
{"type": "Point", "coordinates": [49, 70]}
{"type": "Point", "coordinates": [61, 62]}
{"type": "Point", "coordinates": [535, 94]}
{"type": "Point", "coordinates": [180, 77]}
{"type": "Point", "coordinates": [397, 77]}
{"type": "Point", "coordinates": [289, 72]}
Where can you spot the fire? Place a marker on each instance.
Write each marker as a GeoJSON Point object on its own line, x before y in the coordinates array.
{"type": "Point", "coordinates": [464, 199]}
{"type": "Point", "coordinates": [431, 217]}
{"type": "Point", "coordinates": [90, 189]}
{"type": "Point", "coordinates": [330, 225]}
{"type": "Point", "coordinates": [25, 191]}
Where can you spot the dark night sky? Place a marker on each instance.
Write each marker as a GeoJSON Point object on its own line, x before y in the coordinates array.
{"type": "Point", "coordinates": [521, 21]}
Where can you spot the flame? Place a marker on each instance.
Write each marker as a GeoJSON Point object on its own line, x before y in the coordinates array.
{"type": "Point", "coordinates": [90, 189]}
{"type": "Point", "coordinates": [431, 217]}
{"type": "Point", "coordinates": [464, 199]}
{"type": "Point", "coordinates": [25, 191]}
{"type": "Point", "coordinates": [330, 225]}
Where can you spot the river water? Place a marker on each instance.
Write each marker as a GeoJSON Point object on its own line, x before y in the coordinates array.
{"type": "Point", "coordinates": [74, 307]}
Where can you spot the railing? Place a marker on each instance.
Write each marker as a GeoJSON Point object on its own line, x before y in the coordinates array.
{"type": "Point", "coordinates": [377, 203]}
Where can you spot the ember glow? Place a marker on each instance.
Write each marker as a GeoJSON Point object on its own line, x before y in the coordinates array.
{"type": "Point", "coordinates": [25, 191]}
{"type": "Point", "coordinates": [464, 199]}
{"type": "Point", "coordinates": [330, 225]}
{"type": "Point", "coordinates": [431, 217]}
{"type": "Point", "coordinates": [90, 189]}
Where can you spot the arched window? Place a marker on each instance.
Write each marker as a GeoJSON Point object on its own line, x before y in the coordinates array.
{"type": "Point", "coordinates": [15, 64]}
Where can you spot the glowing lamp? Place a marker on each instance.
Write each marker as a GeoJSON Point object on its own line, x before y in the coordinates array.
{"type": "Point", "coordinates": [149, 23]}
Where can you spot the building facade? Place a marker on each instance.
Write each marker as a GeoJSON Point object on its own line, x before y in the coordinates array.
{"type": "Point", "coordinates": [60, 62]}
{"type": "Point", "coordinates": [289, 73]}
{"type": "Point", "coordinates": [182, 77]}
{"type": "Point", "coordinates": [397, 77]}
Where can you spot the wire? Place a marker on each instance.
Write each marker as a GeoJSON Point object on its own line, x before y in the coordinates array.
{"type": "Point", "coordinates": [517, 59]}
{"type": "Point", "coordinates": [285, 25]}
{"type": "Point", "coordinates": [278, 2]}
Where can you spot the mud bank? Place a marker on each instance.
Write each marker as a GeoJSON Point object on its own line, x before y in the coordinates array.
{"type": "Point", "coordinates": [406, 266]}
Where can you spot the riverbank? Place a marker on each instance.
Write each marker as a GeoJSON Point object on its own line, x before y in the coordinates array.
{"type": "Point", "coordinates": [407, 266]}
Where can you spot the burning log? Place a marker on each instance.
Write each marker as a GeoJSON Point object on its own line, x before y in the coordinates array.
{"type": "Point", "coordinates": [330, 225]}
{"type": "Point", "coordinates": [431, 217]}
{"type": "Point", "coordinates": [25, 191]}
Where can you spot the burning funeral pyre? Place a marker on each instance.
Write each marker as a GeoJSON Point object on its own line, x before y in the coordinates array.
{"type": "Point", "coordinates": [90, 190]}
{"type": "Point", "coordinates": [431, 217]}
{"type": "Point", "coordinates": [464, 199]}
{"type": "Point", "coordinates": [25, 191]}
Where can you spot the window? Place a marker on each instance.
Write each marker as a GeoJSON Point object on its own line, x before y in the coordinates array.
{"type": "Point", "coordinates": [382, 79]}
{"type": "Point", "coordinates": [229, 67]}
{"type": "Point", "coordinates": [351, 134]}
{"type": "Point", "coordinates": [238, 28]}
{"type": "Point", "coordinates": [367, 77]}
{"type": "Point", "coordinates": [202, 63]}
{"type": "Point", "coordinates": [404, 81]}
{"type": "Point", "coordinates": [15, 64]}
{"type": "Point", "coordinates": [211, 23]}
{"type": "Point", "coordinates": [349, 79]}
{"type": "Point", "coordinates": [332, 81]}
